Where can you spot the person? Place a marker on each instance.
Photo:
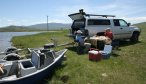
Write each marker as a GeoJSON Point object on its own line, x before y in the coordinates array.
{"type": "Point", "coordinates": [79, 38]}
{"type": "Point", "coordinates": [109, 34]}
{"type": "Point", "coordinates": [1, 69]}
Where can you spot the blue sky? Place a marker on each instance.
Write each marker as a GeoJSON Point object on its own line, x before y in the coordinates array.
{"type": "Point", "coordinates": [29, 12]}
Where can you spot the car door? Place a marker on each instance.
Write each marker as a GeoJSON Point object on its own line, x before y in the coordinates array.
{"type": "Point", "coordinates": [121, 29]}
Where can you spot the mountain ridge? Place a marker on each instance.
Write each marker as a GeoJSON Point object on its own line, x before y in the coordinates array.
{"type": "Point", "coordinates": [51, 26]}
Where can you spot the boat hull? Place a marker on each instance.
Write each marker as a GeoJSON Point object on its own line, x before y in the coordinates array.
{"type": "Point", "coordinates": [38, 77]}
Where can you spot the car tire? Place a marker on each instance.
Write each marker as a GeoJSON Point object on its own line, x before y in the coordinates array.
{"type": "Point", "coordinates": [134, 38]}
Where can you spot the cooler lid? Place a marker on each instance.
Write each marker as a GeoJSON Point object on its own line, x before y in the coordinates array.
{"type": "Point", "coordinates": [93, 52]}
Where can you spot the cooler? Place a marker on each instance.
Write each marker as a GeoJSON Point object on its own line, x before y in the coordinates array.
{"type": "Point", "coordinates": [95, 55]}
{"type": "Point", "coordinates": [105, 56]}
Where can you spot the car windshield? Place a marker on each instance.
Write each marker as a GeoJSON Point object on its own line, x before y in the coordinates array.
{"type": "Point", "coordinates": [78, 24]}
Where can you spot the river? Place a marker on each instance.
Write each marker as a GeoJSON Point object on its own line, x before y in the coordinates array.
{"type": "Point", "coordinates": [5, 38]}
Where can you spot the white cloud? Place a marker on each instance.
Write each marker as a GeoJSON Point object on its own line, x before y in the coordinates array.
{"type": "Point", "coordinates": [131, 10]}
{"type": "Point", "coordinates": [11, 22]}
{"type": "Point", "coordinates": [134, 20]}
{"type": "Point", "coordinates": [6, 22]}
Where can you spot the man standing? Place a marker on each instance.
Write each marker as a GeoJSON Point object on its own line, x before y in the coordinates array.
{"type": "Point", "coordinates": [109, 34]}
{"type": "Point", "coordinates": [79, 38]}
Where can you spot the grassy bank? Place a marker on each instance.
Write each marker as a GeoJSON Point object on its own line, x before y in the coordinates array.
{"type": "Point", "coordinates": [127, 66]}
{"type": "Point", "coordinates": [40, 39]}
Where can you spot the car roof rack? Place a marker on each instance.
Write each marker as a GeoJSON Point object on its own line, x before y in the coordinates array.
{"type": "Point", "coordinates": [100, 15]}
{"type": "Point", "coordinates": [82, 12]}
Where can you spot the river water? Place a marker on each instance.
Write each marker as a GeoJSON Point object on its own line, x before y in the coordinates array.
{"type": "Point", "coordinates": [5, 38]}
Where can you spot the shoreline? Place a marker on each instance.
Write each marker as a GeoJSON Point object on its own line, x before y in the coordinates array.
{"type": "Point", "coordinates": [129, 61]}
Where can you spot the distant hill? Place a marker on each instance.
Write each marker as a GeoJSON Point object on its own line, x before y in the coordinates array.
{"type": "Point", "coordinates": [141, 25]}
{"type": "Point", "coordinates": [13, 28]}
{"type": "Point", "coordinates": [51, 26]}
{"type": "Point", "coordinates": [43, 26]}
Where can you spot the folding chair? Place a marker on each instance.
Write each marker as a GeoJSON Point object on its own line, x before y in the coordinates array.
{"type": "Point", "coordinates": [106, 52]}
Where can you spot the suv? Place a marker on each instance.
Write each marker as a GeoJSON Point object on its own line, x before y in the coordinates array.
{"type": "Point", "coordinates": [91, 24]}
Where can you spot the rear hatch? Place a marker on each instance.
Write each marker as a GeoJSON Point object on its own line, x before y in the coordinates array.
{"type": "Point", "coordinates": [76, 16]}
{"type": "Point", "coordinates": [78, 21]}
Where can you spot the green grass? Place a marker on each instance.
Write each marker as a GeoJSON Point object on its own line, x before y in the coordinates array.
{"type": "Point", "coordinates": [128, 66]}
{"type": "Point", "coordinates": [40, 39]}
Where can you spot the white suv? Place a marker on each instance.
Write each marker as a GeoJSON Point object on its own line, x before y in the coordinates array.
{"type": "Point", "coordinates": [92, 24]}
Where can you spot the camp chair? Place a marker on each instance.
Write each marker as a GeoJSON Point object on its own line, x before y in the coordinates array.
{"type": "Point", "coordinates": [106, 52]}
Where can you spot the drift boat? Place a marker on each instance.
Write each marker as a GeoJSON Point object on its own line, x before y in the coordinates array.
{"type": "Point", "coordinates": [33, 70]}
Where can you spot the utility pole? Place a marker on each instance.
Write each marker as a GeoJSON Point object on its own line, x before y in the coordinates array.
{"type": "Point", "coordinates": [47, 24]}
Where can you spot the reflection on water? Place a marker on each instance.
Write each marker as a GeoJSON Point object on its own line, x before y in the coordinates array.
{"type": "Point", "coordinates": [5, 38]}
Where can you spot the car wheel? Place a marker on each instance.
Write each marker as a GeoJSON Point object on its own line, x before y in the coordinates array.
{"type": "Point", "coordinates": [134, 37]}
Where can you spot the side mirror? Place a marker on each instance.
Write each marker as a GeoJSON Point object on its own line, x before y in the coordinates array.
{"type": "Point", "coordinates": [129, 24]}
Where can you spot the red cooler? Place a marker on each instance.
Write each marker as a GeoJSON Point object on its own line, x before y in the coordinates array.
{"type": "Point", "coordinates": [94, 55]}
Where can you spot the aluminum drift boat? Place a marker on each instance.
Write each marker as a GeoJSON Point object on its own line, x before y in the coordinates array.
{"type": "Point", "coordinates": [31, 71]}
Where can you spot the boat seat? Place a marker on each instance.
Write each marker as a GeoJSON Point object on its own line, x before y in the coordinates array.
{"type": "Point", "coordinates": [27, 67]}
{"type": "Point", "coordinates": [45, 60]}
{"type": "Point", "coordinates": [35, 59]}
{"type": "Point", "coordinates": [50, 54]}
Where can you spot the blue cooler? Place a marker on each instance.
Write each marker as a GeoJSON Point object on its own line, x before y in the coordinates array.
{"type": "Point", "coordinates": [106, 52]}
{"type": "Point", "coordinates": [105, 55]}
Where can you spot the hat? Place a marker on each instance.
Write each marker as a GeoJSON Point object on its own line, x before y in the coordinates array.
{"type": "Point", "coordinates": [107, 29]}
{"type": "Point", "coordinates": [79, 31]}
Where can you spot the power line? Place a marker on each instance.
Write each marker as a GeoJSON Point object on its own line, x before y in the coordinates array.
{"type": "Point", "coordinates": [47, 24]}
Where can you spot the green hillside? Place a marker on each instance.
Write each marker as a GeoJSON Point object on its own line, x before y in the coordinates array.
{"type": "Point", "coordinates": [141, 25]}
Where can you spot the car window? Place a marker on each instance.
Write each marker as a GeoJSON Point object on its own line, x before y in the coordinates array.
{"type": "Point", "coordinates": [98, 22]}
{"type": "Point", "coordinates": [116, 23]}
{"type": "Point", "coordinates": [120, 23]}
{"type": "Point", "coordinates": [78, 24]}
